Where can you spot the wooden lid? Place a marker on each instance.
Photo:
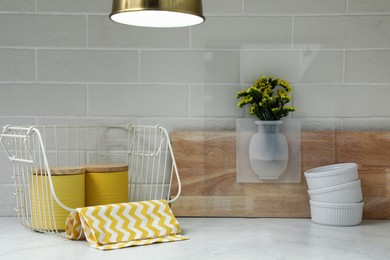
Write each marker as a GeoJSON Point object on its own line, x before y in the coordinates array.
{"type": "Point", "coordinates": [106, 168]}
{"type": "Point", "coordinates": [58, 171]}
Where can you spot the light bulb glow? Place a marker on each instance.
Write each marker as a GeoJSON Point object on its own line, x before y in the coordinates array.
{"type": "Point", "coordinates": [157, 18]}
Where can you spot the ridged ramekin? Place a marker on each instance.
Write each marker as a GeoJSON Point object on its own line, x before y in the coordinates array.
{"type": "Point", "coordinates": [346, 214]}
{"type": "Point", "coordinates": [331, 175]}
{"type": "Point", "coordinates": [350, 192]}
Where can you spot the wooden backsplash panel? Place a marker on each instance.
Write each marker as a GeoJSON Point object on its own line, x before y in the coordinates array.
{"type": "Point", "coordinates": [207, 165]}
{"type": "Point", "coordinates": [371, 150]}
{"type": "Point", "coordinates": [317, 148]}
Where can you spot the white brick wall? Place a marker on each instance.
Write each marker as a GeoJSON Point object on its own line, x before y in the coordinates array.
{"type": "Point", "coordinates": [65, 61]}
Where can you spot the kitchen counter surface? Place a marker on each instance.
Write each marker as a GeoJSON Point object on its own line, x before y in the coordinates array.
{"type": "Point", "coordinates": [217, 238]}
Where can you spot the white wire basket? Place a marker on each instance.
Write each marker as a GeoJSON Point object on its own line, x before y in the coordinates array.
{"type": "Point", "coordinates": [145, 149]}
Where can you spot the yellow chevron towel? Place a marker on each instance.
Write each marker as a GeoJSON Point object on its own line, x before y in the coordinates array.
{"type": "Point", "coordinates": [125, 224]}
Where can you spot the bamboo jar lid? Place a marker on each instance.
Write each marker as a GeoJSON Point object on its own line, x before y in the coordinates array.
{"type": "Point", "coordinates": [61, 171]}
{"type": "Point", "coordinates": [106, 168]}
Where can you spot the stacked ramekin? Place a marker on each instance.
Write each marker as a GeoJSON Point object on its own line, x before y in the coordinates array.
{"type": "Point", "coordinates": [335, 194]}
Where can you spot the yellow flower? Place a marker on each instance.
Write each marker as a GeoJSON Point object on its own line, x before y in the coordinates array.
{"type": "Point", "coordinates": [267, 98]}
{"type": "Point", "coordinates": [290, 108]}
{"type": "Point", "coordinates": [241, 92]}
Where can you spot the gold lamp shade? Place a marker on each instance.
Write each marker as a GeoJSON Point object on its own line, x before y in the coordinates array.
{"type": "Point", "coordinates": [157, 13]}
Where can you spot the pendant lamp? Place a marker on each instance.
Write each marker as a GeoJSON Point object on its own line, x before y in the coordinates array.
{"type": "Point", "coordinates": [157, 13]}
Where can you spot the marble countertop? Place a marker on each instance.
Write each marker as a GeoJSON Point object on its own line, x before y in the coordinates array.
{"type": "Point", "coordinates": [217, 238]}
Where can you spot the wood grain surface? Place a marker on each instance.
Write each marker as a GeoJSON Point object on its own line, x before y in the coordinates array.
{"type": "Point", "coordinates": [206, 162]}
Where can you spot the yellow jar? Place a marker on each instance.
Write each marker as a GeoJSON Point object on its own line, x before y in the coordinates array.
{"type": "Point", "coordinates": [106, 184]}
{"type": "Point", "coordinates": [69, 186]}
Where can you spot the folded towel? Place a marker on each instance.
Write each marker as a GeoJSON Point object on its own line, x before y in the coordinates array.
{"type": "Point", "coordinates": [125, 224]}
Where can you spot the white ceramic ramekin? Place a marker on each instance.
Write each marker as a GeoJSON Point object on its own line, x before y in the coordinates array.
{"type": "Point", "coordinates": [331, 175]}
{"type": "Point", "coordinates": [332, 214]}
{"type": "Point", "coordinates": [350, 192]}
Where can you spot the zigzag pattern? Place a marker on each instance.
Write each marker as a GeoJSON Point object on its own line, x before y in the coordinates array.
{"type": "Point", "coordinates": [124, 224]}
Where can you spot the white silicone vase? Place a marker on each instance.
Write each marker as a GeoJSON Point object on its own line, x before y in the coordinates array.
{"type": "Point", "coordinates": [268, 151]}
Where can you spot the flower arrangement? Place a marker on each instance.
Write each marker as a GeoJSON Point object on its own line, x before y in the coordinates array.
{"type": "Point", "coordinates": [267, 98]}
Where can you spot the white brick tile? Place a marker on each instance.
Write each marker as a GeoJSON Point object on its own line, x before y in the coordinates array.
{"type": "Point", "coordinates": [214, 100]}
{"type": "Point", "coordinates": [105, 33]}
{"type": "Point", "coordinates": [345, 101]}
{"type": "Point", "coordinates": [87, 120]}
{"type": "Point", "coordinates": [371, 6]}
{"type": "Point", "coordinates": [235, 32]}
{"type": "Point", "coordinates": [191, 123]}
{"type": "Point", "coordinates": [190, 66]}
{"type": "Point", "coordinates": [294, 6]}
{"type": "Point", "coordinates": [222, 7]}
{"type": "Point", "coordinates": [306, 66]}
{"type": "Point", "coordinates": [7, 201]}
{"type": "Point", "coordinates": [367, 66]}
{"type": "Point", "coordinates": [314, 101]}
{"type": "Point", "coordinates": [138, 100]}
{"type": "Point", "coordinates": [42, 100]}
{"type": "Point", "coordinates": [342, 32]}
{"type": "Point", "coordinates": [17, 65]}
{"type": "Point", "coordinates": [6, 169]}
{"type": "Point", "coordinates": [17, 5]}
{"type": "Point", "coordinates": [74, 6]}
{"type": "Point", "coordinates": [170, 123]}
{"type": "Point", "coordinates": [320, 124]}
{"type": "Point", "coordinates": [42, 30]}
{"type": "Point", "coordinates": [11, 120]}
{"type": "Point", "coordinates": [362, 101]}
{"type": "Point", "coordinates": [370, 124]}
{"type": "Point", "coordinates": [87, 66]}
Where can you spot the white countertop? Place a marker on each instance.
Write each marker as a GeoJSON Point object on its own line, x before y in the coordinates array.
{"type": "Point", "coordinates": [217, 238]}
